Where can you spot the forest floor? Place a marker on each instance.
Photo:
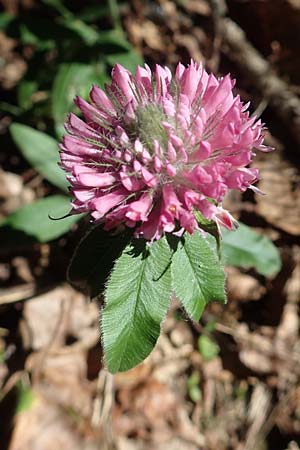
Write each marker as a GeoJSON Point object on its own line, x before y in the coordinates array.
{"type": "Point", "coordinates": [243, 393]}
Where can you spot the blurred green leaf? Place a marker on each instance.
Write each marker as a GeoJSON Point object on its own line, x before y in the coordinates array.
{"type": "Point", "coordinates": [130, 60]}
{"type": "Point", "coordinates": [42, 32]}
{"type": "Point", "coordinates": [34, 221]}
{"type": "Point", "coordinates": [58, 5]}
{"type": "Point", "coordinates": [246, 248]}
{"type": "Point", "coordinates": [41, 151]}
{"type": "Point", "coordinates": [28, 37]}
{"type": "Point", "coordinates": [25, 90]}
{"type": "Point", "coordinates": [88, 34]}
{"type": "Point", "coordinates": [93, 12]}
{"type": "Point", "coordinates": [115, 14]}
{"type": "Point", "coordinates": [210, 326]}
{"type": "Point", "coordinates": [207, 347]}
{"type": "Point", "coordinates": [193, 387]}
{"type": "Point", "coordinates": [25, 398]}
{"type": "Point", "coordinates": [11, 109]}
{"type": "Point", "coordinates": [241, 390]}
{"type": "Point", "coordinates": [71, 80]}
{"type": "Point", "coordinates": [114, 38]}
{"type": "Point", "coordinates": [5, 20]}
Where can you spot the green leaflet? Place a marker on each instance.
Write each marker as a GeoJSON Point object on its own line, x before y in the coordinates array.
{"type": "Point", "coordinates": [72, 79]}
{"type": "Point", "coordinates": [197, 275]}
{"type": "Point", "coordinates": [246, 248]}
{"type": "Point", "coordinates": [130, 60]}
{"type": "Point", "coordinates": [41, 151]}
{"type": "Point", "coordinates": [33, 221]}
{"type": "Point", "coordinates": [137, 298]}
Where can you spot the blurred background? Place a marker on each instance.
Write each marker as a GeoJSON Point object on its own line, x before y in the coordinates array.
{"type": "Point", "coordinates": [229, 382]}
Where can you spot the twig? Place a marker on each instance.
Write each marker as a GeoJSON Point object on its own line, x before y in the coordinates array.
{"type": "Point", "coordinates": [104, 400]}
{"type": "Point", "coordinates": [276, 91]}
{"type": "Point", "coordinates": [102, 409]}
{"type": "Point", "coordinates": [219, 10]}
{"type": "Point", "coordinates": [23, 292]}
{"type": "Point", "coordinates": [17, 293]}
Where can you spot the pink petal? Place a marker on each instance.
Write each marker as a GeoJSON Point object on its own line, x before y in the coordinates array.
{"type": "Point", "coordinates": [106, 202]}
{"type": "Point", "coordinates": [101, 100]}
{"type": "Point", "coordinates": [130, 180]}
{"type": "Point", "coordinates": [121, 79]}
{"type": "Point", "coordinates": [79, 147]}
{"type": "Point", "coordinates": [96, 179]}
{"type": "Point", "coordinates": [202, 153]}
{"type": "Point", "coordinates": [139, 210]}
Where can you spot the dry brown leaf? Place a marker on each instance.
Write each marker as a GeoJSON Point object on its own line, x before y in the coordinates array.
{"type": "Point", "coordinates": [280, 180]}
{"type": "Point", "coordinates": [288, 328]}
{"type": "Point", "coordinates": [62, 379]}
{"type": "Point", "coordinates": [181, 334]}
{"type": "Point", "coordinates": [53, 316]}
{"type": "Point", "coordinates": [12, 64]}
{"type": "Point", "coordinates": [45, 319]}
{"type": "Point", "coordinates": [133, 377]}
{"type": "Point", "coordinates": [175, 443]}
{"type": "Point", "coordinates": [128, 444]}
{"type": "Point", "coordinates": [197, 6]}
{"type": "Point", "coordinates": [13, 194]}
{"type": "Point", "coordinates": [84, 317]}
{"type": "Point", "coordinates": [287, 332]}
{"type": "Point", "coordinates": [58, 369]}
{"type": "Point", "coordinates": [23, 269]}
{"type": "Point", "coordinates": [294, 3]}
{"type": "Point", "coordinates": [191, 43]}
{"type": "Point", "coordinates": [150, 406]}
{"type": "Point", "coordinates": [259, 408]}
{"type": "Point", "coordinates": [292, 287]}
{"type": "Point", "coordinates": [147, 32]}
{"type": "Point", "coordinates": [45, 426]}
{"type": "Point", "coordinates": [293, 445]}
{"type": "Point", "coordinates": [243, 287]}
{"type": "Point", "coordinates": [255, 350]}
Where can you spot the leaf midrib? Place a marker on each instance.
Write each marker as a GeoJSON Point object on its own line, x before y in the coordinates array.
{"type": "Point", "coordinates": [230, 244]}
{"type": "Point", "coordinates": [198, 283]}
{"type": "Point", "coordinates": [143, 266]}
{"type": "Point", "coordinates": [244, 251]}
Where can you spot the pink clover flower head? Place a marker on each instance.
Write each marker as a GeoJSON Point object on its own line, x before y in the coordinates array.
{"type": "Point", "coordinates": [153, 148]}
